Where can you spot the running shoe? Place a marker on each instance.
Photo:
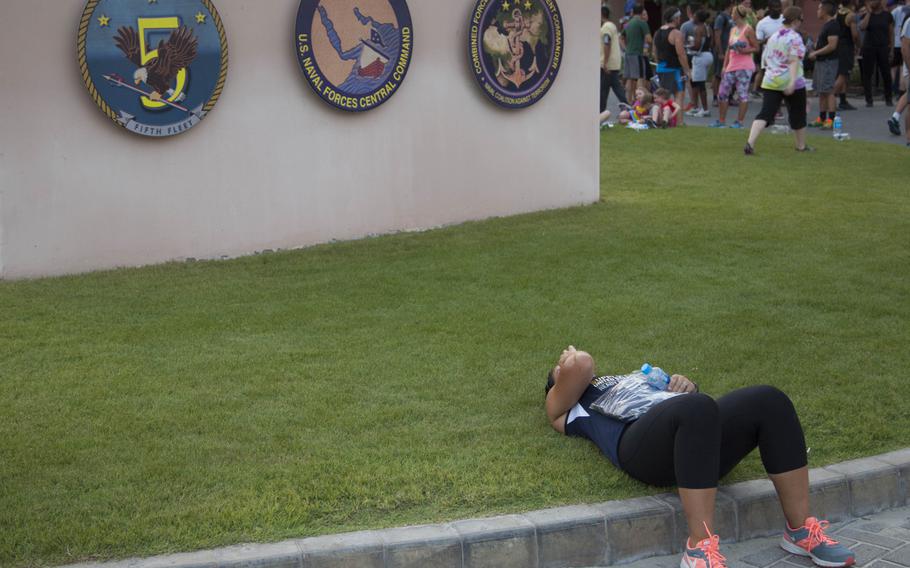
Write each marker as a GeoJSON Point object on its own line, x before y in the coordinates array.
{"type": "Point", "coordinates": [736, 124]}
{"type": "Point", "coordinates": [894, 126]}
{"type": "Point", "coordinates": [845, 106]}
{"type": "Point", "coordinates": [703, 113]}
{"type": "Point", "coordinates": [828, 125]}
{"type": "Point", "coordinates": [717, 124]}
{"type": "Point", "coordinates": [692, 112]}
{"type": "Point", "coordinates": [706, 554]}
{"type": "Point", "coordinates": [779, 116]}
{"type": "Point", "coordinates": [817, 123]}
{"type": "Point", "coordinates": [748, 149]}
{"type": "Point", "coordinates": [810, 540]}
{"type": "Point", "coordinates": [805, 149]}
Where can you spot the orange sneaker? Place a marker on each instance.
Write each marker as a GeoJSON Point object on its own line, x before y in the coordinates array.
{"type": "Point", "coordinates": [828, 125]}
{"type": "Point", "coordinates": [706, 554]}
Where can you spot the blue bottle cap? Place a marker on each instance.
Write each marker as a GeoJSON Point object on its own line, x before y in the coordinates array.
{"type": "Point", "coordinates": [646, 368]}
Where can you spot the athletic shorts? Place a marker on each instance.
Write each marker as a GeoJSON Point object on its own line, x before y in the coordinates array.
{"type": "Point", "coordinates": [670, 78]}
{"type": "Point", "coordinates": [796, 107]}
{"type": "Point", "coordinates": [824, 76]}
{"type": "Point", "coordinates": [734, 86]}
{"type": "Point", "coordinates": [844, 61]}
{"type": "Point", "coordinates": [701, 65]}
{"type": "Point", "coordinates": [635, 67]}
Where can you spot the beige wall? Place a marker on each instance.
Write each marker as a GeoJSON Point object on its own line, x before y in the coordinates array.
{"type": "Point", "coordinates": [272, 166]}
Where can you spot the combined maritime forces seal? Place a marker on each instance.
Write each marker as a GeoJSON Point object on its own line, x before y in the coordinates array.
{"type": "Point", "coordinates": [155, 67]}
{"type": "Point", "coordinates": [354, 53]}
{"type": "Point", "coordinates": [516, 48]}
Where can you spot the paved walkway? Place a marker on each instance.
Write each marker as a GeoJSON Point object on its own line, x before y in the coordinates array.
{"type": "Point", "coordinates": [862, 123]}
{"type": "Point", "coordinates": [880, 541]}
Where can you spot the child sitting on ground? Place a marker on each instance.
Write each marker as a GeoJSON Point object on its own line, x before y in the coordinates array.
{"type": "Point", "coordinates": [640, 109]}
{"type": "Point", "coordinates": [666, 110]}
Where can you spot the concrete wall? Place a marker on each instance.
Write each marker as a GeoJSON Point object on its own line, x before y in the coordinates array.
{"type": "Point", "coordinates": [273, 166]}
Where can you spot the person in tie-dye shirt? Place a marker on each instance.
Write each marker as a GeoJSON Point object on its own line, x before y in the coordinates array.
{"type": "Point", "coordinates": [783, 81]}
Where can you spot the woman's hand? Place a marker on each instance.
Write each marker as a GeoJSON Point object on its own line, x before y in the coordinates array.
{"type": "Point", "coordinates": [680, 383]}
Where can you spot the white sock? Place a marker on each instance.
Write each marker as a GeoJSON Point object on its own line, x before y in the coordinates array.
{"type": "Point", "coordinates": [896, 115]}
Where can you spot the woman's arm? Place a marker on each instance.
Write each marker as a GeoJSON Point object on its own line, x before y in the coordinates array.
{"type": "Point", "coordinates": [572, 375]}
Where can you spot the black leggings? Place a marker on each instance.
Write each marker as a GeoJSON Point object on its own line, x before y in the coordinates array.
{"type": "Point", "coordinates": [692, 441]}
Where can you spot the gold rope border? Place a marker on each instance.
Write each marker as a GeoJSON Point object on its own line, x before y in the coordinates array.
{"type": "Point", "coordinates": [86, 20]}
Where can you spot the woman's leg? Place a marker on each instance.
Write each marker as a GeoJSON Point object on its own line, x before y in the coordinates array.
{"type": "Point", "coordinates": [796, 113]}
{"type": "Point", "coordinates": [770, 105]}
{"type": "Point", "coordinates": [678, 442]}
{"type": "Point", "coordinates": [764, 417]}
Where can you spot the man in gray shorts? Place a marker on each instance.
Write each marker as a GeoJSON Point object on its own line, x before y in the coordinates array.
{"type": "Point", "coordinates": [636, 38]}
{"type": "Point", "coordinates": [826, 61]}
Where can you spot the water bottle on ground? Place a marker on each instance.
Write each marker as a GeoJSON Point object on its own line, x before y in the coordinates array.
{"type": "Point", "coordinates": [655, 376]}
{"type": "Point", "coordinates": [839, 133]}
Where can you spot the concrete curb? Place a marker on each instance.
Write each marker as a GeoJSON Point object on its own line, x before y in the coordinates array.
{"type": "Point", "coordinates": [601, 534]}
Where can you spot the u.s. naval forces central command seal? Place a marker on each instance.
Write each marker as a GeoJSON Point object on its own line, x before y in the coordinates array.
{"type": "Point", "coordinates": [155, 67]}
{"type": "Point", "coordinates": [516, 48]}
{"type": "Point", "coordinates": [354, 53]}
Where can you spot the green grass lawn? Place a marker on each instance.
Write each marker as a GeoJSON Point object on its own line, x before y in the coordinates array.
{"type": "Point", "coordinates": [399, 380]}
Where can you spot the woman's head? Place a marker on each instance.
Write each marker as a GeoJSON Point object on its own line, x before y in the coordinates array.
{"type": "Point", "coordinates": [740, 13]}
{"type": "Point", "coordinates": [793, 16]}
{"type": "Point", "coordinates": [702, 16]}
{"type": "Point", "coordinates": [672, 15]}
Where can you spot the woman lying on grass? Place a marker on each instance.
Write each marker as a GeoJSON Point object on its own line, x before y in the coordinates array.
{"type": "Point", "coordinates": [690, 440]}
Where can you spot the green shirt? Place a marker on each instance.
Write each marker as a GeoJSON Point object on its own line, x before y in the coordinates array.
{"type": "Point", "coordinates": [635, 32]}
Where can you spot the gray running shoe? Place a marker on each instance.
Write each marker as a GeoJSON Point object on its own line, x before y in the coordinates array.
{"type": "Point", "coordinates": [810, 540]}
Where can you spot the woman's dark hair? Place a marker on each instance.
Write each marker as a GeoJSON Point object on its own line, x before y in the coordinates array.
{"type": "Point", "coordinates": [702, 16]}
{"type": "Point", "coordinates": [671, 14]}
{"type": "Point", "coordinates": [550, 382]}
{"type": "Point", "coordinates": [605, 11]}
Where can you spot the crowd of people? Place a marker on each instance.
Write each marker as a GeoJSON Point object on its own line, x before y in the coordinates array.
{"type": "Point", "coordinates": [662, 74]}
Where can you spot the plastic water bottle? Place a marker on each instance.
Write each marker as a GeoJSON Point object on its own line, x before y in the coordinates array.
{"type": "Point", "coordinates": [655, 376]}
{"type": "Point", "coordinates": [839, 128]}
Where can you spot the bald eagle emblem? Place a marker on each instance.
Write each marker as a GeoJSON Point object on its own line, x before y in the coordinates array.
{"type": "Point", "coordinates": [177, 53]}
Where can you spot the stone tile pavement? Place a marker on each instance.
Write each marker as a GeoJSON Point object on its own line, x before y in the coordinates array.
{"type": "Point", "coordinates": [880, 540]}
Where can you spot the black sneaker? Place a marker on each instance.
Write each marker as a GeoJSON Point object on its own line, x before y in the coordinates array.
{"type": "Point", "coordinates": [869, 104]}
{"type": "Point", "coordinates": [749, 150]}
{"type": "Point", "coordinates": [894, 126]}
{"type": "Point", "coordinates": [845, 106]}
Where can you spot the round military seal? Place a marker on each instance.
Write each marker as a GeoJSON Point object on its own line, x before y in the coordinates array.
{"type": "Point", "coordinates": [354, 53]}
{"type": "Point", "coordinates": [516, 49]}
{"type": "Point", "coordinates": [155, 67]}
